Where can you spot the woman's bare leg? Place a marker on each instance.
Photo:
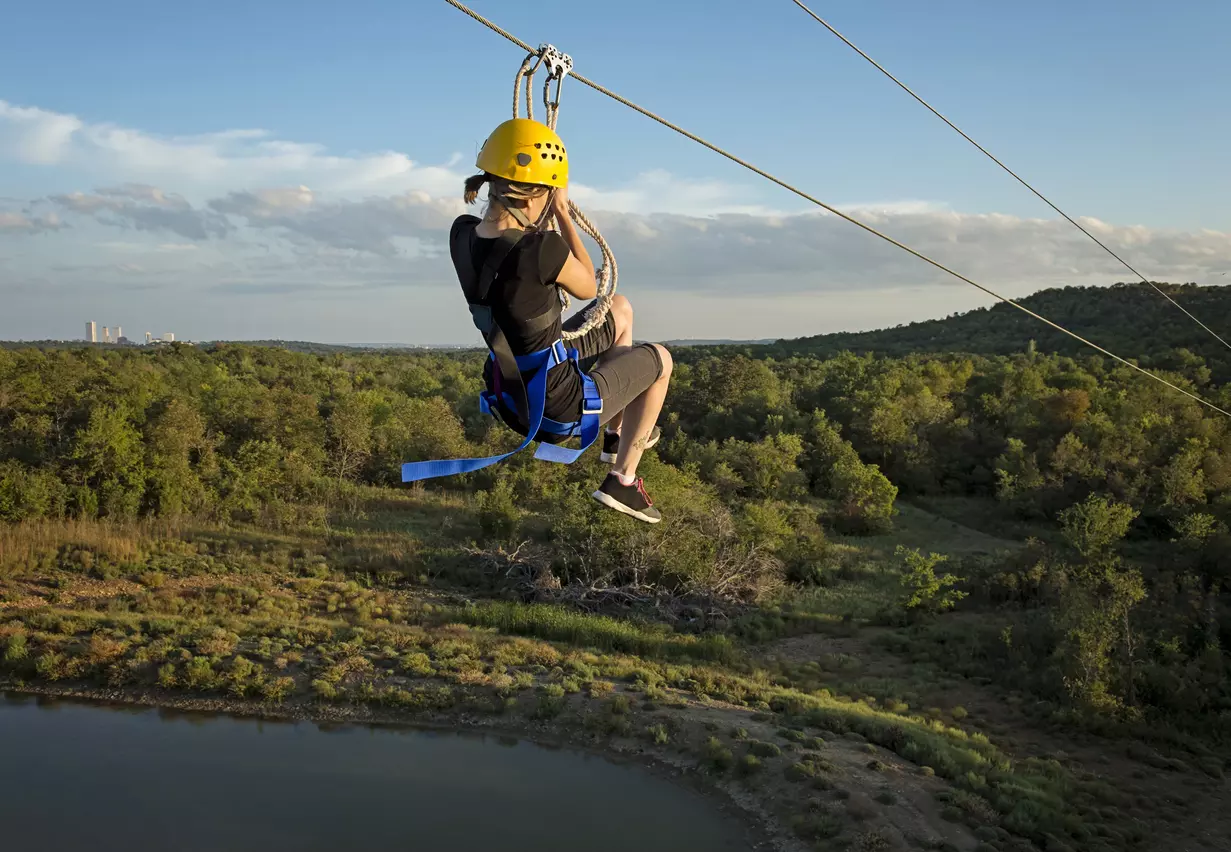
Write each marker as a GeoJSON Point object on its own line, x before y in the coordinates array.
{"type": "Point", "coordinates": [622, 312]}
{"type": "Point", "coordinates": [639, 419]}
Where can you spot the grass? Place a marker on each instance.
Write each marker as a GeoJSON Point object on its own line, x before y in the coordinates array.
{"type": "Point", "coordinates": [559, 624]}
{"type": "Point", "coordinates": [26, 547]}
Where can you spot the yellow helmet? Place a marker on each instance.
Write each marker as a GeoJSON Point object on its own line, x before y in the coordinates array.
{"type": "Point", "coordinates": [525, 151]}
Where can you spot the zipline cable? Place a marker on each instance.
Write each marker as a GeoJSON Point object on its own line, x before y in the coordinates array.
{"type": "Point", "coordinates": [1014, 174]}
{"type": "Point", "coordinates": [605, 91]}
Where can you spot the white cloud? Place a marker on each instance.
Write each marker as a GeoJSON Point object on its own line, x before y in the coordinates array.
{"type": "Point", "coordinates": [899, 206]}
{"type": "Point", "coordinates": [252, 160]}
{"type": "Point", "coordinates": [212, 217]}
{"type": "Point", "coordinates": [227, 159]}
{"type": "Point", "coordinates": [33, 135]}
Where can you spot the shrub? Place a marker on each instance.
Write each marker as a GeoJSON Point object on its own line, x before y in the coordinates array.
{"type": "Point", "coordinates": [417, 664]}
{"type": "Point", "coordinates": [278, 689]}
{"type": "Point", "coordinates": [499, 517]}
{"type": "Point", "coordinates": [717, 756]}
{"type": "Point", "coordinates": [16, 649]}
{"type": "Point", "coordinates": [324, 690]}
{"type": "Point", "coordinates": [749, 764]}
{"type": "Point", "coordinates": [166, 676]}
{"type": "Point", "coordinates": [51, 665]}
{"type": "Point", "coordinates": [801, 771]}
{"type": "Point", "coordinates": [763, 749]}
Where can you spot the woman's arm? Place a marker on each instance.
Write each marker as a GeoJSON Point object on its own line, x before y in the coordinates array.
{"type": "Point", "coordinates": [577, 276]}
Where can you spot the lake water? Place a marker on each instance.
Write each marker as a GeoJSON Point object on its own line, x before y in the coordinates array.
{"type": "Point", "coordinates": [81, 776]}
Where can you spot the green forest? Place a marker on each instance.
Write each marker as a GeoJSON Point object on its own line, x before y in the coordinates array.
{"type": "Point", "coordinates": [973, 498]}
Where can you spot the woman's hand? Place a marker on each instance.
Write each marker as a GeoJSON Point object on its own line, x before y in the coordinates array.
{"type": "Point", "coordinates": [559, 202]}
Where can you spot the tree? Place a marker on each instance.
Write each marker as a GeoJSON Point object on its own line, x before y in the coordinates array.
{"type": "Point", "coordinates": [1095, 612]}
{"type": "Point", "coordinates": [1183, 479]}
{"type": "Point", "coordinates": [350, 434]}
{"type": "Point", "coordinates": [922, 590]}
{"type": "Point", "coordinates": [1094, 526]}
{"type": "Point", "coordinates": [177, 452]}
{"type": "Point", "coordinates": [863, 496]}
{"type": "Point", "coordinates": [109, 456]}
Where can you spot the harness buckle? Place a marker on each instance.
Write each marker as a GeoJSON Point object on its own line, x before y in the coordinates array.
{"type": "Point", "coordinates": [585, 410]}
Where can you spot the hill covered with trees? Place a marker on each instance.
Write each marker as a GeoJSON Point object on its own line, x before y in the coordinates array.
{"type": "Point", "coordinates": [1131, 320]}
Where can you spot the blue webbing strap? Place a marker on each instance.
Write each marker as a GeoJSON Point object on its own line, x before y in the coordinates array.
{"type": "Point", "coordinates": [537, 393]}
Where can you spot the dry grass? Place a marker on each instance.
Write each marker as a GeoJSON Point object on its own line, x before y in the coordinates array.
{"type": "Point", "coordinates": [21, 544]}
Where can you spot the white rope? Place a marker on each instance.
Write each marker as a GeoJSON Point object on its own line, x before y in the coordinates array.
{"type": "Point", "coordinates": [607, 274]}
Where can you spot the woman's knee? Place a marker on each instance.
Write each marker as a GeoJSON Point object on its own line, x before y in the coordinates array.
{"type": "Point", "coordinates": [623, 311]}
{"type": "Point", "coordinates": [664, 358]}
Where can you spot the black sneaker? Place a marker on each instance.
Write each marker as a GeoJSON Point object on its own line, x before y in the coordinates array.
{"type": "Point", "coordinates": [611, 444]}
{"type": "Point", "coordinates": [629, 499]}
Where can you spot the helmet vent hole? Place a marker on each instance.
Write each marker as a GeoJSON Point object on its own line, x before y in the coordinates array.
{"type": "Point", "coordinates": [544, 155]}
{"type": "Point", "coordinates": [538, 144]}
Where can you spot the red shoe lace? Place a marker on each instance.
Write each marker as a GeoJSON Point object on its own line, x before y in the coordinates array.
{"type": "Point", "coordinates": [641, 489]}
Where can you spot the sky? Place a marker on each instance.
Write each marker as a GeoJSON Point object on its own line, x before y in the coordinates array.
{"type": "Point", "coordinates": [239, 170]}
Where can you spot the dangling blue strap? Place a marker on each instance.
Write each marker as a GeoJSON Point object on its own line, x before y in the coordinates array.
{"type": "Point", "coordinates": [536, 392]}
{"type": "Point", "coordinates": [541, 363]}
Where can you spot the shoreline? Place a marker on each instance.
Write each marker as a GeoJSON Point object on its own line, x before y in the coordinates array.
{"type": "Point", "coordinates": [760, 830]}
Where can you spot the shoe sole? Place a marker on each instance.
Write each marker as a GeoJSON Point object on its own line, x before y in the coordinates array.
{"type": "Point", "coordinates": [608, 458]}
{"type": "Point", "coordinates": [611, 502]}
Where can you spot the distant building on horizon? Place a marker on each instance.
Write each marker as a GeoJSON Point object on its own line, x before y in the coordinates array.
{"type": "Point", "coordinates": [91, 332]}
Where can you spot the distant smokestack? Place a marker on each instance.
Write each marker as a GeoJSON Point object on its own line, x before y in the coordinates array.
{"type": "Point", "coordinates": [91, 332]}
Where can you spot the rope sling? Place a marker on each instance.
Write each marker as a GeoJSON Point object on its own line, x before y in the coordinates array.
{"type": "Point", "coordinates": [558, 67]}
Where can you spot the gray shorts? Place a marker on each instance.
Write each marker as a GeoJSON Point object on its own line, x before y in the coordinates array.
{"type": "Point", "coordinates": [622, 376]}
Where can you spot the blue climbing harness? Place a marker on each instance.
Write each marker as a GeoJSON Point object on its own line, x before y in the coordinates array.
{"type": "Point", "coordinates": [528, 401]}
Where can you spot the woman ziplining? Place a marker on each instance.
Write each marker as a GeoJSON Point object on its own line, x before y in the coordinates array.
{"type": "Point", "coordinates": [511, 269]}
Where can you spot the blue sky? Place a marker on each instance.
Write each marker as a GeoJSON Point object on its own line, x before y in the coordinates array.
{"type": "Point", "coordinates": [1114, 109]}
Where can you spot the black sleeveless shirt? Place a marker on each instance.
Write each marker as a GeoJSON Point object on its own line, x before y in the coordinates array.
{"type": "Point", "coordinates": [525, 288]}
